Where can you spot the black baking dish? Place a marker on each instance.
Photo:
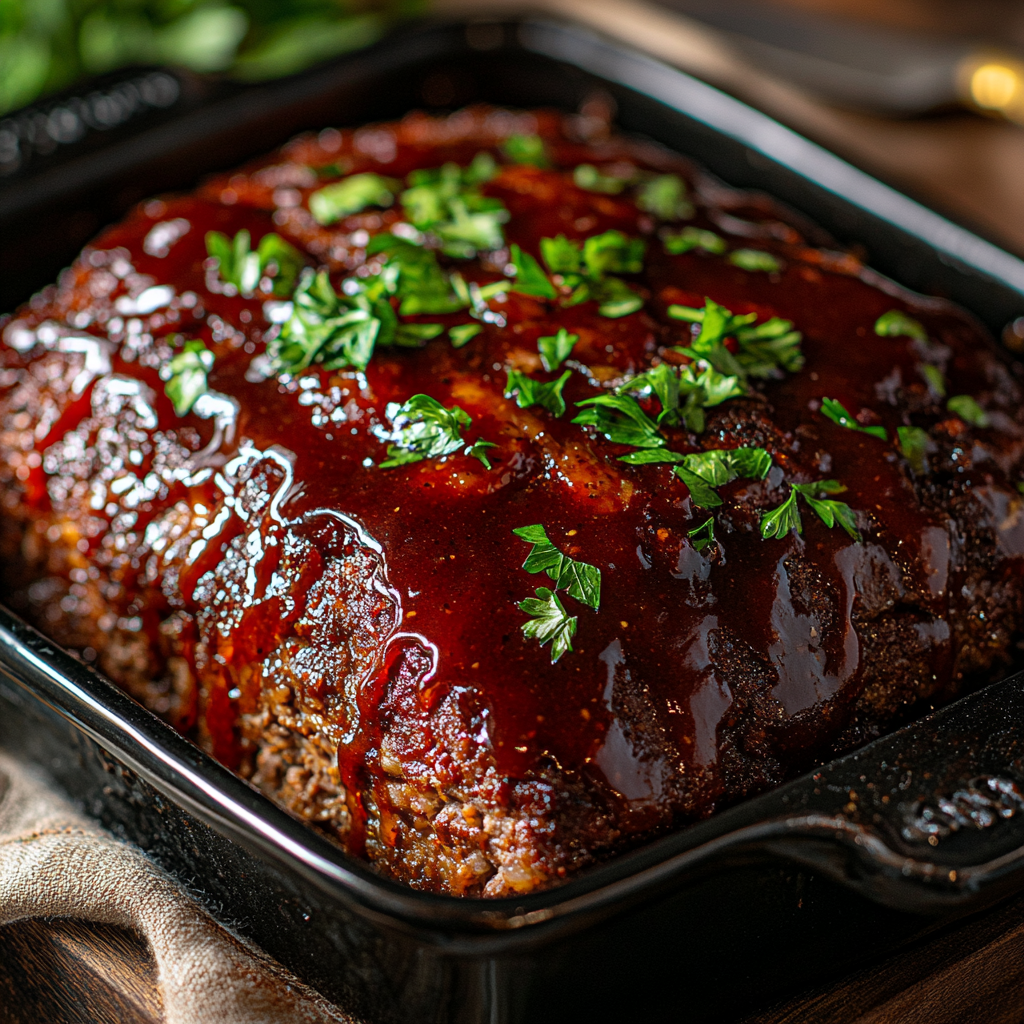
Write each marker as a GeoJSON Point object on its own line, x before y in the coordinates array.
{"type": "Point", "coordinates": [869, 852]}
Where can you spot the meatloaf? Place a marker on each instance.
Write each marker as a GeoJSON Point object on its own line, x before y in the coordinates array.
{"type": "Point", "coordinates": [494, 491]}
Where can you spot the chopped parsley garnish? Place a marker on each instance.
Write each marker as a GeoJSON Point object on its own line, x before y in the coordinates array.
{"type": "Point", "coordinates": [528, 391]}
{"type": "Point", "coordinates": [421, 285]}
{"type": "Point", "coordinates": [525, 149]}
{"type": "Point", "coordinates": [786, 517]}
{"type": "Point", "coordinates": [352, 195]}
{"type": "Point", "coordinates": [185, 375]}
{"type": "Point", "coordinates": [764, 350]}
{"type": "Point", "coordinates": [462, 334]}
{"type": "Point", "coordinates": [968, 410]}
{"type": "Point", "coordinates": [914, 445]}
{"type": "Point", "coordinates": [935, 379]}
{"type": "Point", "coordinates": [551, 622]}
{"type": "Point", "coordinates": [678, 242]}
{"type": "Point", "coordinates": [554, 349]}
{"type": "Point", "coordinates": [581, 580]}
{"type": "Point", "coordinates": [584, 270]}
{"type": "Point", "coordinates": [589, 178]}
{"type": "Point", "coordinates": [336, 330]}
{"type": "Point", "coordinates": [702, 472]}
{"type": "Point", "coordinates": [238, 265]}
{"type": "Point", "coordinates": [834, 410]}
{"type": "Point", "coordinates": [530, 279]}
{"type": "Point", "coordinates": [425, 429]}
{"type": "Point", "coordinates": [447, 202]}
{"type": "Point", "coordinates": [664, 196]}
{"type": "Point", "coordinates": [754, 260]}
{"type": "Point", "coordinates": [621, 420]}
{"type": "Point", "coordinates": [685, 392]}
{"type": "Point", "coordinates": [704, 535]}
{"type": "Point", "coordinates": [897, 324]}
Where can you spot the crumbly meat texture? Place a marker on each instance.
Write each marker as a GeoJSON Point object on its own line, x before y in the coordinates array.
{"type": "Point", "coordinates": [348, 636]}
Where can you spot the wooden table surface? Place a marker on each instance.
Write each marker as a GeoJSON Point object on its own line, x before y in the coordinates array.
{"type": "Point", "coordinates": [73, 972]}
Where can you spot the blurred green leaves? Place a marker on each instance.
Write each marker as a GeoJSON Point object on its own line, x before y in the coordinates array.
{"type": "Point", "coordinates": [47, 45]}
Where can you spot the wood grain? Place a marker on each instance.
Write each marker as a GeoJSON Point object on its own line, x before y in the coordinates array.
{"type": "Point", "coordinates": [76, 972]}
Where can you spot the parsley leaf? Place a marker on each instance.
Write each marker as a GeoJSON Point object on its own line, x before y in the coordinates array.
{"type": "Point", "coordinates": [621, 420]}
{"type": "Point", "coordinates": [834, 410]}
{"type": "Point", "coordinates": [704, 535]}
{"type": "Point", "coordinates": [555, 349]}
{"type": "Point", "coordinates": [425, 429]}
{"type": "Point", "coordinates": [897, 324]}
{"type": "Point", "coordinates": [581, 580]}
{"type": "Point", "coordinates": [678, 242]}
{"type": "Point", "coordinates": [703, 471]}
{"type": "Point", "coordinates": [528, 391]}
{"type": "Point", "coordinates": [462, 334]}
{"type": "Point", "coordinates": [185, 375]}
{"type": "Point", "coordinates": [935, 379]}
{"type": "Point", "coordinates": [786, 517]}
{"type": "Point", "coordinates": [351, 195]}
{"type": "Point", "coordinates": [764, 350]}
{"type": "Point", "coordinates": [550, 622]}
{"type": "Point", "coordinates": [525, 149]}
{"type": "Point", "coordinates": [664, 196]}
{"type": "Point", "coordinates": [584, 270]}
{"type": "Point", "coordinates": [914, 444]}
{"type": "Point", "coordinates": [447, 202]}
{"type": "Point", "coordinates": [530, 279]}
{"type": "Point", "coordinates": [238, 265]}
{"type": "Point", "coordinates": [968, 410]}
{"type": "Point", "coordinates": [685, 393]}
{"type": "Point", "coordinates": [422, 286]}
{"type": "Point", "coordinates": [754, 260]}
{"type": "Point", "coordinates": [588, 177]}
{"type": "Point", "coordinates": [325, 327]}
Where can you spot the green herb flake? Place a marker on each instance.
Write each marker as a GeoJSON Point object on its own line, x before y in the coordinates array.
{"type": "Point", "coordinates": [702, 472]}
{"type": "Point", "coordinates": [834, 410]}
{"type": "Point", "coordinates": [968, 410]}
{"type": "Point", "coordinates": [679, 242]}
{"type": "Point", "coordinates": [664, 197]}
{"type": "Point", "coordinates": [755, 260]}
{"type": "Point", "coordinates": [425, 429]}
{"type": "Point", "coordinates": [935, 379]}
{"type": "Point", "coordinates": [897, 324]}
{"type": "Point", "coordinates": [686, 392]}
{"type": "Point", "coordinates": [914, 442]}
{"type": "Point", "coordinates": [589, 178]}
{"type": "Point", "coordinates": [702, 536]}
{"type": "Point", "coordinates": [185, 375]}
{"type": "Point", "coordinates": [421, 285]}
{"type": "Point", "coordinates": [525, 149]}
{"type": "Point", "coordinates": [556, 348]}
{"type": "Point", "coordinates": [244, 268]}
{"type": "Point", "coordinates": [462, 334]}
{"type": "Point", "coordinates": [352, 195]}
{"type": "Point", "coordinates": [550, 622]}
{"type": "Point", "coordinates": [529, 392]}
{"type": "Point", "coordinates": [765, 349]}
{"type": "Point", "coordinates": [586, 270]}
{"type": "Point", "coordinates": [530, 278]}
{"type": "Point", "coordinates": [621, 420]}
{"type": "Point", "coordinates": [581, 580]}
{"type": "Point", "coordinates": [786, 517]}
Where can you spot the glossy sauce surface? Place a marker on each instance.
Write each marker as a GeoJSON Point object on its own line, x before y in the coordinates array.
{"type": "Point", "coordinates": [642, 701]}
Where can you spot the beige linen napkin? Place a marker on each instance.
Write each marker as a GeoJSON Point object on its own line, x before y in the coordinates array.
{"type": "Point", "coordinates": [55, 863]}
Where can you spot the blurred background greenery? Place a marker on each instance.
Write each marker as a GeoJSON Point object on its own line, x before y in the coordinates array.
{"type": "Point", "coordinates": [47, 45]}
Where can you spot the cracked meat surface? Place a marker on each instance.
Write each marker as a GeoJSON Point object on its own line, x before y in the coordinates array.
{"type": "Point", "coordinates": [347, 636]}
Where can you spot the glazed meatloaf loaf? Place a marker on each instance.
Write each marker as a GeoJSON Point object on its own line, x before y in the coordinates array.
{"type": "Point", "coordinates": [495, 492]}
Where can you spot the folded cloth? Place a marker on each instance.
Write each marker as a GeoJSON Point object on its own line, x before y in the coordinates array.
{"type": "Point", "coordinates": [56, 863]}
